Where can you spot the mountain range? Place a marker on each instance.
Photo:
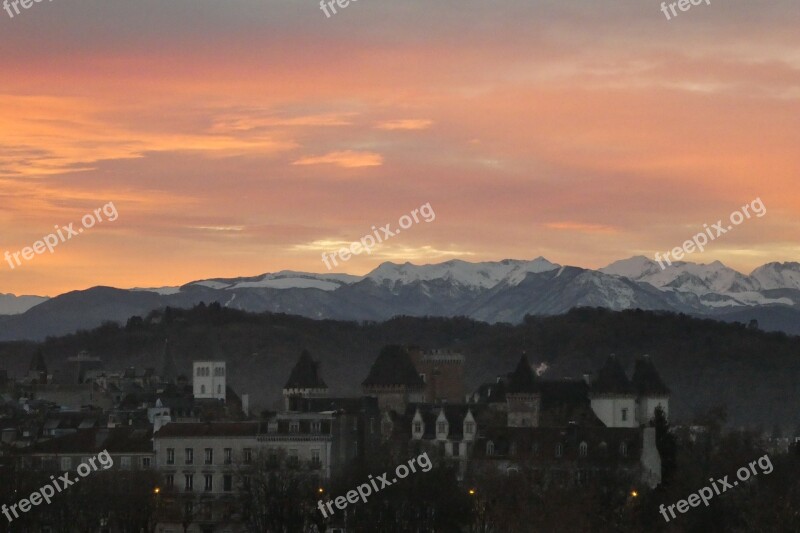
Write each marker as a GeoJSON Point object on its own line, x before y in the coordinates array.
{"type": "Point", "coordinates": [500, 291]}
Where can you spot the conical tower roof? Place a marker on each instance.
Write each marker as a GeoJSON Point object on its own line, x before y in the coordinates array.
{"type": "Point", "coordinates": [305, 374]}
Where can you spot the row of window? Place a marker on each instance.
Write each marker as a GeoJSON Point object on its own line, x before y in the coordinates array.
{"type": "Point", "coordinates": [294, 426]}
{"type": "Point", "coordinates": [208, 482]}
{"type": "Point", "coordinates": [442, 428]}
{"type": "Point", "coordinates": [125, 462]}
{"type": "Point", "coordinates": [583, 449]}
{"type": "Point", "coordinates": [227, 456]}
{"type": "Point", "coordinates": [204, 371]}
{"type": "Point", "coordinates": [203, 389]}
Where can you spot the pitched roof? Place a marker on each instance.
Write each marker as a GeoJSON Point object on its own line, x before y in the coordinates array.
{"type": "Point", "coordinates": [646, 379]}
{"type": "Point", "coordinates": [522, 379]}
{"type": "Point", "coordinates": [208, 429]}
{"type": "Point", "coordinates": [115, 440]}
{"type": "Point", "coordinates": [393, 367]}
{"type": "Point", "coordinates": [305, 374]}
{"type": "Point", "coordinates": [611, 379]}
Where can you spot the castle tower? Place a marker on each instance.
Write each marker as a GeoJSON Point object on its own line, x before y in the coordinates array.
{"type": "Point", "coordinates": [650, 390]}
{"type": "Point", "coordinates": [304, 381]}
{"type": "Point", "coordinates": [208, 380]}
{"type": "Point", "coordinates": [613, 397]}
{"type": "Point", "coordinates": [394, 380]}
{"type": "Point", "coordinates": [443, 374]}
{"type": "Point", "coordinates": [523, 396]}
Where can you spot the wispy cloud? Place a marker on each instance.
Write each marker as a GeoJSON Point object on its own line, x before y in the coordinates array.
{"type": "Point", "coordinates": [405, 124]}
{"type": "Point", "coordinates": [344, 159]}
{"type": "Point", "coordinates": [581, 227]}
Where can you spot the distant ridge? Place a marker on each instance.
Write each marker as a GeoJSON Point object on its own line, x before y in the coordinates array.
{"type": "Point", "coordinates": [492, 291]}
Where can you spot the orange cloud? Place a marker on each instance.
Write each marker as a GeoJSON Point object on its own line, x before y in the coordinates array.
{"type": "Point", "coordinates": [405, 124]}
{"type": "Point", "coordinates": [344, 159]}
{"type": "Point", "coordinates": [581, 227]}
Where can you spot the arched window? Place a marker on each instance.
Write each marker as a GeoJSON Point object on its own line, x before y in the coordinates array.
{"type": "Point", "coordinates": [559, 450]}
{"type": "Point", "coordinates": [623, 449]}
{"type": "Point", "coordinates": [583, 449]}
{"type": "Point", "coordinates": [490, 448]}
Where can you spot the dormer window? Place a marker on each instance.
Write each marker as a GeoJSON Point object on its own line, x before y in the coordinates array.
{"type": "Point", "coordinates": [441, 428]}
{"type": "Point", "coordinates": [469, 428]}
{"type": "Point", "coordinates": [417, 427]}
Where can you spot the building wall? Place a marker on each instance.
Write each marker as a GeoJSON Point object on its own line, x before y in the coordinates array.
{"type": "Point", "coordinates": [609, 409]}
{"type": "Point", "coordinates": [443, 372]}
{"type": "Point", "coordinates": [523, 410]}
{"type": "Point", "coordinates": [217, 469]}
{"type": "Point", "coordinates": [646, 408]}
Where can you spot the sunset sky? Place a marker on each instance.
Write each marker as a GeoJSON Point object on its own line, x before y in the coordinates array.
{"type": "Point", "coordinates": [240, 137]}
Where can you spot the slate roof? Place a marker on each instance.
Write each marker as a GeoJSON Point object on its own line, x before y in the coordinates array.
{"type": "Point", "coordinates": [539, 445]}
{"type": "Point", "coordinates": [208, 429]}
{"type": "Point", "coordinates": [646, 379]}
{"type": "Point", "coordinates": [522, 379]}
{"type": "Point", "coordinates": [611, 379]}
{"type": "Point", "coordinates": [394, 367]}
{"type": "Point", "coordinates": [305, 374]}
{"type": "Point", "coordinates": [91, 441]}
{"type": "Point", "coordinates": [348, 405]}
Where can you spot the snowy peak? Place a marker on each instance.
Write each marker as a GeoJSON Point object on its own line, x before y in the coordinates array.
{"type": "Point", "coordinates": [635, 268]}
{"type": "Point", "coordinates": [285, 279]}
{"type": "Point", "coordinates": [472, 275]}
{"type": "Point", "coordinates": [682, 276]}
{"type": "Point", "coordinates": [778, 275]}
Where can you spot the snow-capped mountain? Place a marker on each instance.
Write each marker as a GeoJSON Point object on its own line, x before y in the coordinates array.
{"type": "Point", "coordinates": [285, 279]}
{"type": "Point", "coordinates": [778, 276]}
{"type": "Point", "coordinates": [499, 291]}
{"type": "Point", "coordinates": [715, 284]}
{"type": "Point", "coordinates": [472, 275]}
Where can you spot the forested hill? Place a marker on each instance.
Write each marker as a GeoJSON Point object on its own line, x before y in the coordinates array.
{"type": "Point", "coordinates": [707, 364]}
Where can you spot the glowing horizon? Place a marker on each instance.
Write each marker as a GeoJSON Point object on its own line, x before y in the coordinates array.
{"type": "Point", "coordinates": [237, 139]}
